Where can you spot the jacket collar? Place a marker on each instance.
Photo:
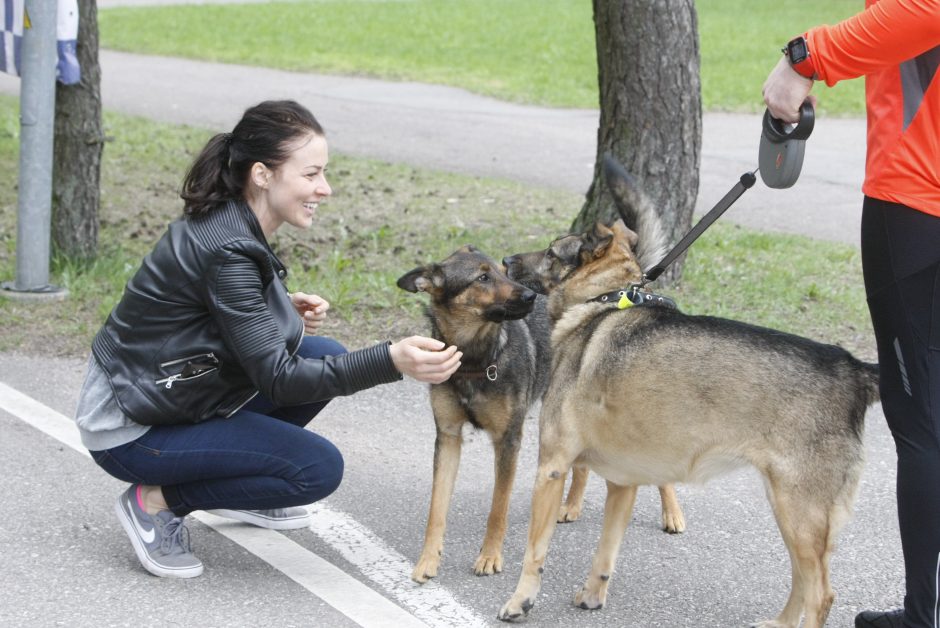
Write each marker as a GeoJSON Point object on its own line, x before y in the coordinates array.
{"type": "Point", "coordinates": [241, 209]}
{"type": "Point", "coordinates": [251, 221]}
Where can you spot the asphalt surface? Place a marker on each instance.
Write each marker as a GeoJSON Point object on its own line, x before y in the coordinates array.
{"type": "Point", "coordinates": [66, 561]}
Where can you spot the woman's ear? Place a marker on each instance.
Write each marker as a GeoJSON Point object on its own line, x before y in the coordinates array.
{"type": "Point", "coordinates": [260, 174]}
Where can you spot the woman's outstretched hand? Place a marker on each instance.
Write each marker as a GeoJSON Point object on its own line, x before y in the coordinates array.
{"type": "Point", "coordinates": [425, 359]}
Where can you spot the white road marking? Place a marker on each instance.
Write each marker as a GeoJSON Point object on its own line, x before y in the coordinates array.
{"type": "Point", "coordinates": [430, 604]}
{"type": "Point", "coordinates": [390, 570]}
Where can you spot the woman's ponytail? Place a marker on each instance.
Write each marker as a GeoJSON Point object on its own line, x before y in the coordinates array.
{"type": "Point", "coordinates": [208, 182]}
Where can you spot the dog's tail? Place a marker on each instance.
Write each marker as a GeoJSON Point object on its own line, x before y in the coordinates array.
{"type": "Point", "coordinates": [871, 376]}
{"type": "Point", "coordinates": [638, 213]}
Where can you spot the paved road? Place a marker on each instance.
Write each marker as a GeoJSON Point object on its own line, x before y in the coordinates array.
{"type": "Point", "coordinates": [67, 562]}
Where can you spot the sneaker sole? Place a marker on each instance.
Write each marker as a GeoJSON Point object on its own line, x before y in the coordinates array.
{"type": "Point", "coordinates": [294, 523]}
{"type": "Point", "coordinates": [143, 556]}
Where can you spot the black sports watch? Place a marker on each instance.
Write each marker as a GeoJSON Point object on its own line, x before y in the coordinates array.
{"type": "Point", "coordinates": [797, 52]}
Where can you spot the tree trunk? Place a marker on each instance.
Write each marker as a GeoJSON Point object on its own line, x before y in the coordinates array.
{"type": "Point", "coordinates": [79, 141]}
{"type": "Point", "coordinates": [650, 109]}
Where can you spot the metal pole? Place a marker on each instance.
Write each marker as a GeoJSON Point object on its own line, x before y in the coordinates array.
{"type": "Point", "coordinates": [37, 120]}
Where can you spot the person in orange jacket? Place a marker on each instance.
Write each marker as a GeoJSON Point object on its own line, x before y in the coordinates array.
{"type": "Point", "coordinates": [895, 44]}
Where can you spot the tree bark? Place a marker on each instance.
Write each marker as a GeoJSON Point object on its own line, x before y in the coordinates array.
{"type": "Point", "coordinates": [79, 140]}
{"type": "Point", "coordinates": [650, 109]}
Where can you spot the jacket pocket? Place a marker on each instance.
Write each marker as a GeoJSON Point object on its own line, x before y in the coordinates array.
{"type": "Point", "coordinates": [188, 368]}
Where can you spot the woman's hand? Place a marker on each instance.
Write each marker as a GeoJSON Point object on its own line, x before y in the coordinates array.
{"type": "Point", "coordinates": [785, 90]}
{"type": "Point", "coordinates": [312, 310]}
{"type": "Point", "coordinates": [425, 359]}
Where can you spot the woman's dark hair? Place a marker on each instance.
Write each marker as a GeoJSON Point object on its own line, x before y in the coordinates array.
{"type": "Point", "coordinates": [265, 133]}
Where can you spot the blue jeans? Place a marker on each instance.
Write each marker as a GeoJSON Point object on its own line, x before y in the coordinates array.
{"type": "Point", "coordinates": [259, 458]}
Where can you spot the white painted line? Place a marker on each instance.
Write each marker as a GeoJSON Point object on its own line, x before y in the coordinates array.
{"type": "Point", "coordinates": [357, 544]}
{"type": "Point", "coordinates": [42, 417]}
{"type": "Point", "coordinates": [390, 570]}
{"type": "Point", "coordinates": [328, 582]}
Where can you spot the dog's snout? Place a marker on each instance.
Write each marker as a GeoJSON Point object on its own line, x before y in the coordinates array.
{"type": "Point", "coordinates": [509, 260]}
{"type": "Point", "coordinates": [528, 296]}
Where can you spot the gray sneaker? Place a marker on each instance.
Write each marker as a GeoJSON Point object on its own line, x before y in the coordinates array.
{"type": "Point", "coordinates": [161, 541]}
{"type": "Point", "coordinates": [292, 518]}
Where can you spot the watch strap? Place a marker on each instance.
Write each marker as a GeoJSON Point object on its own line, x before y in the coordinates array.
{"type": "Point", "coordinates": [800, 58]}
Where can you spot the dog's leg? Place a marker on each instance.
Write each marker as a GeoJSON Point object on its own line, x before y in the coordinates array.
{"type": "Point", "coordinates": [617, 512]}
{"type": "Point", "coordinates": [546, 498]}
{"type": "Point", "coordinates": [673, 519]}
{"type": "Point", "coordinates": [809, 590]}
{"type": "Point", "coordinates": [506, 455]}
{"type": "Point", "coordinates": [809, 521]}
{"type": "Point", "coordinates": [571, 509]}
{"type": "Point", "coordinates": [446, 461]}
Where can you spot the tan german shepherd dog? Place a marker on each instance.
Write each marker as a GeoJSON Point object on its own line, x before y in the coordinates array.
{"type": "Point", "coordinates": [649, 395]}
{"type": "Point", "coordinates": [503, 331]}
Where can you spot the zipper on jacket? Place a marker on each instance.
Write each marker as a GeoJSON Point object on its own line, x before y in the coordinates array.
{"type": "Point", "coordinates": [207, 363]}
{"type": "Point", "coordinates": [168, 381]}
{"type": "Point", "coordinates": [210, 356]}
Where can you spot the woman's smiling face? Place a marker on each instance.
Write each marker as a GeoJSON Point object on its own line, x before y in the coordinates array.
{"type": "Point", "coordinates": [291, 193]}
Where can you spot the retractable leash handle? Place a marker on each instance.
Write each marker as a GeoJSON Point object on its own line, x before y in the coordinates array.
{"type": "Point", "coordinates": [747, 181]}
{"type": "Point", "coordinates": [782, 146]}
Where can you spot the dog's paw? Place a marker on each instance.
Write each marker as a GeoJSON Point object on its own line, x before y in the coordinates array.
{"type": "Point", "coordinates": [487, 565]}
{"type": "Point", "coordinates": [568, 513]}
{"type": "Point", "coordinates": [425, 569]}
{"type": "Point", "coordinates": [673, 522]}
{"type": "Point", "coordinates": [514, 609]}
{"type": "Point", "coordinates": [590, 598]}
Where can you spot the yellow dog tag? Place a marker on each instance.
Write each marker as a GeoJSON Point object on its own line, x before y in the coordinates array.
{"type": "Point", "coordinates": [624, 302]}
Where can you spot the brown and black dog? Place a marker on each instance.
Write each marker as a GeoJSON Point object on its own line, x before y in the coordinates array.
{"type": "Point", "coordinates": [502, 329]}
{"type": "Point", "coordinates": [648, 395]}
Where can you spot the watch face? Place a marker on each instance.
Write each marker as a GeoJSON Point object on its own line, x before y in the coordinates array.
{"type": "Point", "coordinates": [797, 50]}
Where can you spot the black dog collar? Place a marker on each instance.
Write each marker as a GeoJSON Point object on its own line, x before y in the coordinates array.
{"type": "Point", "coordinates": [632, 296]}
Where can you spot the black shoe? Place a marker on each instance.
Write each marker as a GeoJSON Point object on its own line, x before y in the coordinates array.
{"type": "Point", "coordinates": [880, 619]}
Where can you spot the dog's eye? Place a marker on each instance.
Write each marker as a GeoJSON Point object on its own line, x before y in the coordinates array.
{"type": "Point", "coordinates": [483, 278]}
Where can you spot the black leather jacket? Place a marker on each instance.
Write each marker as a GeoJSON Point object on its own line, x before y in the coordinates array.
{"type": "Point", "coordinates": [206, 323]}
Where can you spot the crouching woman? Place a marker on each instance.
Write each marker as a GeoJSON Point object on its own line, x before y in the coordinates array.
{"type": "Point", "coordinates": [205, 374]}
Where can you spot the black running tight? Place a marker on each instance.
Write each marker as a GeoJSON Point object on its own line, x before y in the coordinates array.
{"type": "Point", "coordinates": [901, 262]}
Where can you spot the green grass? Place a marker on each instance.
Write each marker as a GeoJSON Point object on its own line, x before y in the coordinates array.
{"type": "Point", "coordinates": [384, 220]}
{"type": "Point", "coordinates": [779, 281]}
{"type": "Point", "coordinates": [532, 51]}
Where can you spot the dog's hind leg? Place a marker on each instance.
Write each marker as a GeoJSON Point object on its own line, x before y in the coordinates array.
{"type": "Point", "coordinates": [446, 461]}
{"type": "Point", "coordinates": [506, 455]}
{"type": "Point", "coordinates": [617, 512]}
{"type": "Point", "coordinates": [673, 519]}
{"type": "Point", "coordinates": [809, 517]}
{"type": "Point", "coordinates": [571, 509]}
{"type": "Point", "coordinates": [546, 499]}
{"type": "Point", "coordinates": [806, 536]}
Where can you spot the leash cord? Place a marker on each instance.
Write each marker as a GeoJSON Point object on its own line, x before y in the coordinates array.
{"type": "Point", "coordinates": [747, 181]}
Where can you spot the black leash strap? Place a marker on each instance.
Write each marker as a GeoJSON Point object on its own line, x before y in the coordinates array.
{"type": "Point", "coordinates": [747, 180]}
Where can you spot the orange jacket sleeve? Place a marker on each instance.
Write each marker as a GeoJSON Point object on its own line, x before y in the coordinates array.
{"type": "Point", "coordinates": [885, 34]}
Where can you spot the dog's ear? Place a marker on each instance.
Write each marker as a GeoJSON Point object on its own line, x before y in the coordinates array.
{"type": "Point", "coordinates": [625, 232]}
{"type": "Point", "coordinates": [422, 279]}
{"type": "Point", "coordinates": [596, 243]}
